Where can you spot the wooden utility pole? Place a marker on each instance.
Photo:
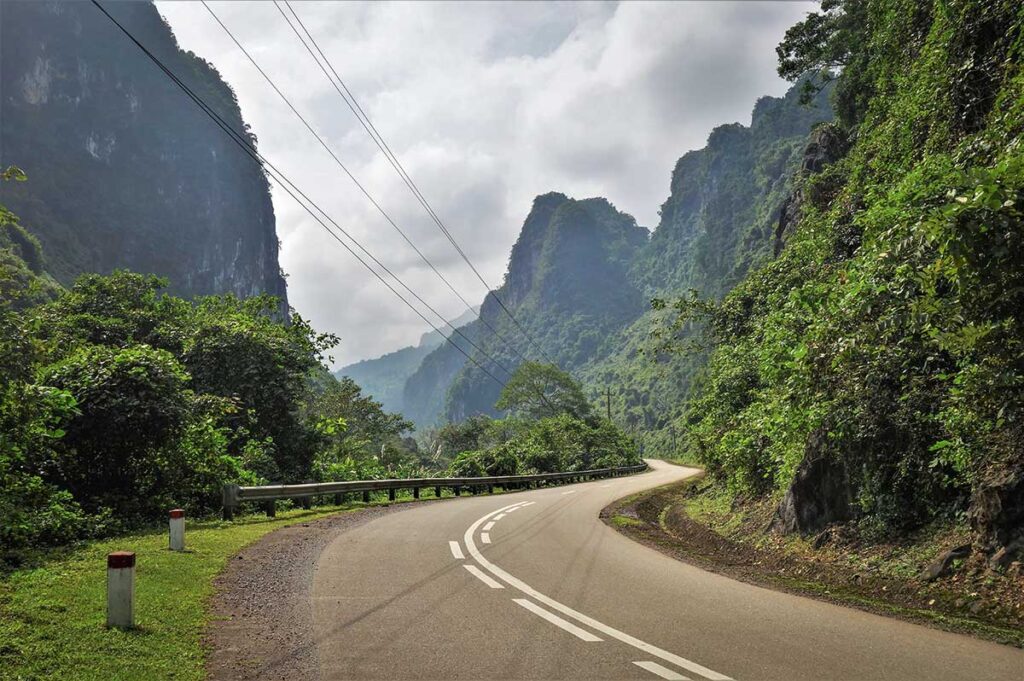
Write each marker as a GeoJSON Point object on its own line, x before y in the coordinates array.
{"type": "Point", "coordinates": [608, 400]}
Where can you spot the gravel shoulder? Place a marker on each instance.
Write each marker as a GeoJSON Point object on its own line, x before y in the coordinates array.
{"type": "Point", "coordinates": [261, 617]}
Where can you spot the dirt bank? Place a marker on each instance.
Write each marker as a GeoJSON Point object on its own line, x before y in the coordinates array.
{"type": "Point", "coordinates": [686, 521]}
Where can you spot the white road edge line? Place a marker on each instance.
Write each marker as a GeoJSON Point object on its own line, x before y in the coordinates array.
{"type": "Point", "coordinates": [572, 491]}
{"type": "Point", "coordinates": [603, 486]}
{"type": "Point", "coordinates": [488, 526]}
{"type": "Point", "coordinates": [556, 620]}
{"type": "Point", "coordinates": [456, 550]}
{"type": "Point", "coordinates": [516, 583]}
{"type": "Point", "coordinates": [663, 672]}
{"type": "Point", "coordinates": [485, 578]}
{"type": "Point", "coordinates": [485, 537]}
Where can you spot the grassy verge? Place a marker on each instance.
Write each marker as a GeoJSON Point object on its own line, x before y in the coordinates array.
{"type": "Point", "coordinates": [52, 617]}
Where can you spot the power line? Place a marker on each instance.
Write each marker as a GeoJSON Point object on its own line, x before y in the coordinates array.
{"type": "Point", "coordinates": [400, 169]}
{"type": "Point", "coordinates": [358, 184]}
{"type": "Point", "coordinates": [361, 188]}
{"type": "Point", "coordinates": [482, 319]}
{"type": "Point", "coordinates": [292, 190]}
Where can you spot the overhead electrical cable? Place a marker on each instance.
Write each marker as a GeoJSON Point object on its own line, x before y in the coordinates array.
{"type": "Point", "coordinates": [295, 193]}
{"type": "Point", "coordinates": [352, 177]}
{"type": "Point", "coordinates": [378, 139]}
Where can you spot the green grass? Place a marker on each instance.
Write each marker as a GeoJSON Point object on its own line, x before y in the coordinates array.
{"type": "Point", "coordinates": [52, 617]}
{"type": "Point", "coordinates": [625, 521]}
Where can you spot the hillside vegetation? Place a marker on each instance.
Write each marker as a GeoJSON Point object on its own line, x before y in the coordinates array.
{"type": "Point", "coordinates": [872, 373]}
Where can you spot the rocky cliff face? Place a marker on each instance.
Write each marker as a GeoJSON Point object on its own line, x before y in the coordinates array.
{"type": "Point", "coordinates": [124, 171]}
{"type": "Point", "coordinates": [581, 273]}
{"type": "Point", "coordinates": [727, 210]}
{"type": "Point", "coordinates": [726, 198]}
{"type": "Point", "coordinates": [567, 283]}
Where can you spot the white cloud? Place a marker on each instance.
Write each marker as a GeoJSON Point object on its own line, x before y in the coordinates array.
{"type": "Point", "coordinates": [486, 105]}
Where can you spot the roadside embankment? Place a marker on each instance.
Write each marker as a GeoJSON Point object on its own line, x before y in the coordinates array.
{"type": "Point", "coordinates": [694, 522]}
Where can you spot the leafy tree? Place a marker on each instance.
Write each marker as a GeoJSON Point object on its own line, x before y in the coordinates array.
{"type": "Point", "coordinates": [34, 511]}
{"type": "Point", "coordinates": [239, 350]}
{"type": "Point", "coordinates": [823, 45]}
{"type": "Point", "coordinates": [453, 438]}
{"type": "Point", "coordinates": [132, 409]}
{"type": "Point", "coordinates": [358, 436]}
{"type": "Point", "coordinates": [543, 390]}
{"type": "Point", "coordinates": [504, 459]}
{"type": "Point", "coordinates": [119, 310]}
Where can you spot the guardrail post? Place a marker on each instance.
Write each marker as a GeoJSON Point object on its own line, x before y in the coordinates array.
{"type": "Point", "coordinates": [230, 500]}
{"type": "Point", "coordinates": [490, 489]}
{"type": "Point", "coordinates": [121, 589]}
{"type": "Point", "coordinates": [339, 499]}
{"type": "Point", "coordinates": [391, 494]}
{"type": "Point", "coordinates": [415, 492]}
{"type": "Point", "coordinates": [177, 530]}
{"type": "Point", "coordinates": [437, 492]}
{"type": "Point", "coordinates": [270, 508]}
{"type": "Point", "coordinates": [458, 491]}
{"type": "Point", "coordinates": [366, 496]}
{"type": "Point", "coordinates": [306, 502]}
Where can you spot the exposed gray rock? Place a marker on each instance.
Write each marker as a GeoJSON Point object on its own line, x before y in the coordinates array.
{"type": "Point", "coordinates": [996, 511]}
{"type": "Point", "coordinates": [827, 144]}
{"type": "Point", "coordinates": [942, 563]}
{"type": "Point", "coordinates": [820, 494]}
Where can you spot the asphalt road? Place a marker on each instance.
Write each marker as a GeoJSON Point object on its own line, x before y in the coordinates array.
{"type": "Point", "coordinates": [533, 585]}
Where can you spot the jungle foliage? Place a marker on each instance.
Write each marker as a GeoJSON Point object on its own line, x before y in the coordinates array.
{"type": "Point", "coordinates": [120, 401]}
{"type": "Point", "coordinates": [551, 429]}
{"type": "Point", "coordinates": [886, 338]}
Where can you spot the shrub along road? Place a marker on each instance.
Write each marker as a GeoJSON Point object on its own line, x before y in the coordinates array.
{"type": "Point", "coordinates": [534, 585]}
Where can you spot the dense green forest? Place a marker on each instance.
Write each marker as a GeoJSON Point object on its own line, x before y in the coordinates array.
{"type": "Point", "coordinates": [826, 317]}
{"type": "Point", "coordinates": [873, 371]}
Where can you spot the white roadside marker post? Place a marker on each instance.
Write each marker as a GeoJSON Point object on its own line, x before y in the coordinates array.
{"type": "Point", "coordinates": [121, 589]}
{"type": "Point", "coordinates": [177, 527]}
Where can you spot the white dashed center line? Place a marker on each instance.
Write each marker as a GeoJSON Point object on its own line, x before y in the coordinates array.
{"type": "Point", "coordinates": [594, 624]}
{"type": "Point", "coordinates": [663, 672]}
{"type": "Point", "coordinates": [485, 537]}
{"type": "Point", "coordinates": [456, 550]}
{"type": "Point", "coordinates": [556, 620]}
{"type": "Point", "coordinates": [488, 526]}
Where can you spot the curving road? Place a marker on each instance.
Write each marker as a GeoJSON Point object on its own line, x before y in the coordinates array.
{"type": "Point", "coordinates": [533, 585]}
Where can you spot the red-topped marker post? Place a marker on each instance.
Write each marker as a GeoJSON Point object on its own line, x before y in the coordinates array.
{"type": "Point", "coordinates": [121, 589]}
{"type": "Point", "coordinates": [177, 530]}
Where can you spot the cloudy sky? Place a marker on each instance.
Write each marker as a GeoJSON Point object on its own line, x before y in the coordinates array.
{"type": "Point", "coordinates": [486, 105]}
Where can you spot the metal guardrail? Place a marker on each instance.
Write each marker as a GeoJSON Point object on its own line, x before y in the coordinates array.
{"type": "Point", "coordinates": [234, 495]}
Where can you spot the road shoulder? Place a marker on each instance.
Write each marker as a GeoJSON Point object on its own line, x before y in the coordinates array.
{"type": "Point", "coordinates": [657, 518]}
{"type": "Point", "coordinates": [261, 623]}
